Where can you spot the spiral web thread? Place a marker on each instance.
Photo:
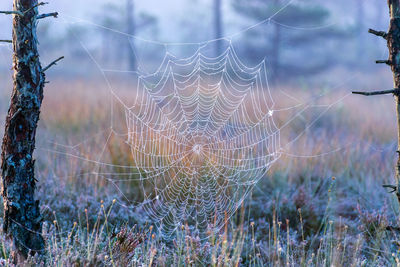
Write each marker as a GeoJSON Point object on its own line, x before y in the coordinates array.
{"type": "Point", "coordinates": [201, 133]}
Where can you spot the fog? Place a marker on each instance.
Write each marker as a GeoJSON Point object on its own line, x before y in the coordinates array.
{"type": "Point", "coordinates": [170, 14]}
{"type": "Point", "coordinates": [315, 36]}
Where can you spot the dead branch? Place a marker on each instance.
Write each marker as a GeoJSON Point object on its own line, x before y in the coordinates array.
{"type": "Point", "coordinates": [392, 187]}
{"type": "Point", "coordinates": [19, 13]}
{"type": "Point", "coordinates": [52, 64]}
{"type": "Point", "coordinates": [378, 33]}
{"type": "Point", "coordinates": [384, 92]}
{"type": "Point", "coordinates": [42, 16]}
{"type": "Point", "coordinates": [387, 62]}
{"type": "Point", "coordinates": [12, 13]}
{"type": "Point", "coordinates": [35, 6]}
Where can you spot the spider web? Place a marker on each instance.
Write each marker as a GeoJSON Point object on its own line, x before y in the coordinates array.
{"type": "Point", "coordinates": [201, 132]}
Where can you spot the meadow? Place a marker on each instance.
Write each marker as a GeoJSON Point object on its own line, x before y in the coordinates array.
{"type": "Point", "coordinates": [321, 204]}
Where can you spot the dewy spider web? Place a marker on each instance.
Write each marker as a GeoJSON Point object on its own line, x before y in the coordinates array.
{"type": "Point", "coordinates": [202, 134]}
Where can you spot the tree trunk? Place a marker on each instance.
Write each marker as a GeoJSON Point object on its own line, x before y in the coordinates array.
{"type": "Point", "coordinates": [22, 219]}
{"type": "Point", "coordinates": [275, 52]}
{"type": "Point", "coordinates": [218, 26]}
{"type": "Point", "coordinates": [393, 41]}
{"type": "Point", "coordinates": [130, 17]}
{"type": "Point", "coordinates": [275, 56]}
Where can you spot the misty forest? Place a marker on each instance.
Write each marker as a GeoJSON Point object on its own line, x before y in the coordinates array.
{"type": "Point", "coordinates": [200, 133]}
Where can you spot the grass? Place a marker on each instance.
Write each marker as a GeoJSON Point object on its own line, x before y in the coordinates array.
{"type": "Point", "coordinates": [322, 203]}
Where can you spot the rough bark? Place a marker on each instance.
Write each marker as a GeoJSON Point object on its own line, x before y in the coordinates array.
{"type": "Point", "coordinates": [218, 26]}
{"type": "Point", "coordinates": [131, 27]}
{"type": "Point", "coordinates": [393, 42]}
{"type": "Point", "coordinates": [22, 219]}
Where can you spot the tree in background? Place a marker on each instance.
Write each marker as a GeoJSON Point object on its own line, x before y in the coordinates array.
{"type": "Point", "coordinates": [117, 47]}
{"type": "Point", "coordinates": [134, 25]}
{"type": "Point", "coordinates": [281, 42]}
{"type": "Point", "coordinates": [111, 19]}
{"type": "Point", "coordinates": [360, 17]}
{"type": "Point", "coordinates": [131, 30]}
{"type": "Point", "coordinates": [218, 31]}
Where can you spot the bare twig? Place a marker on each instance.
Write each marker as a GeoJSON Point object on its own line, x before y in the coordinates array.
{"type": "Point", "coordinates": [42, 16]}
{"type": "Point", "coordinates": [384, 92]}
{"type": "Point", "coordinates": [12, 13]}
{"type": "Point", "coordinates": [5, 41]}
{"type": "Point", "coordinates": [378, 33]}
{"type": "Point", "coordinates": [387, 62]}
{"type": "Point", "coordinates": [52, 64]}
{"type": "Point", "coordinates": [15, 12]}
{"type": "Point", "coordinates": [392, 187]}
{"type": "Point", "coordinates": [35, 6]}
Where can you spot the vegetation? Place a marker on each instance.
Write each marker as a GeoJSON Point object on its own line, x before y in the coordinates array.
{"type": "Point", "coordinates": [299, 214]}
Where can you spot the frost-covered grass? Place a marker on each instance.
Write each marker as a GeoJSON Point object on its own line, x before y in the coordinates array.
{"type": "Point", "coordinates": [322, 203]}
{"type": "Point", "coordinates": [259, 235]}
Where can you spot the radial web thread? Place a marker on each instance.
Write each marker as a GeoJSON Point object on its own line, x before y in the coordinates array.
{"type": "Point", "coordinates": [201, 133]}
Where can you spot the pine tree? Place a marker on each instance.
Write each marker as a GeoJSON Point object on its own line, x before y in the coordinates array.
{"type": "Point", "coordinates": [131, 23]}
{"type": "Point", "coordinates": [277, 41]}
